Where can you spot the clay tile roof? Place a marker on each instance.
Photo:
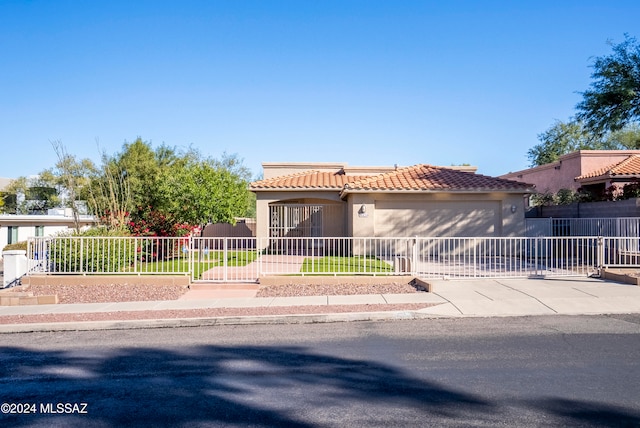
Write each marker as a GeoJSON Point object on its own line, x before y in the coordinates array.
{"type": "Point", "coordinates": [628, 167]}
{"type": "Point", "coordinates": [305, 180]}
{"type": "Point", "coordinates": [414, 178]}
{"type": "Point", "coordinates": [433, 178]}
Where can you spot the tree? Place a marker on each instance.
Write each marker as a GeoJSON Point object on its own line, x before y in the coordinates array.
{"type": "Point", "coordinates": [206, 191]}
{"type": "Point", "coordinates": [108, 195]}
{"type": "Point", "coordinates": [72, 177]}
{"type": "Point", "coordinates": [34, 194]}
{"type": "Point", "coordinates": [566, 137]}
{"type": "Point", "coordinates": [128, 182]}
{"type": "Point", "coordinates": [613, 100]}
{"type": "Point", "coordinates": [163, 192]}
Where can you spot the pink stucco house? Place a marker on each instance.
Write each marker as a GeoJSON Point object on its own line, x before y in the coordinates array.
{"type": "Point", "coordinates": [593, 170]}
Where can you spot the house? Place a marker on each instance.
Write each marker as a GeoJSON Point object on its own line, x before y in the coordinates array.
{"type": "Point", "coordinates": [15, 228]}
{"type": "Point", "coordinates": [592, 170]}
{"type": "Point", "coordinates": [336, 200]}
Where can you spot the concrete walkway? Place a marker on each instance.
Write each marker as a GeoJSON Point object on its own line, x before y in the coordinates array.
{"type": "Point", "coordinates": [457, 298]}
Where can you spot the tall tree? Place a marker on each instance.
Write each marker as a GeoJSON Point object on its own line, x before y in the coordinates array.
{"type": "Point", "coordinates": [161, 191]}
{"type": "Point", "coordinates": [566, 137]}
{"type": "Point", "coordinates": [206, 191]}
{"type": "Point", "coordinates": [613, 100]}
{"type": "Point", "coordinates": [72, 176]}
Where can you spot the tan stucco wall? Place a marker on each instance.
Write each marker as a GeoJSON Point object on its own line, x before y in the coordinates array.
{"type": "Point", "coordinates": [263, 199]}
{"type": "Point", "coordinates": [436, 215]}
{"type": "Point", "coordinates": [425, 214]}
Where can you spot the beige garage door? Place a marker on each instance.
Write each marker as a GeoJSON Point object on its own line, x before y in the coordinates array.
{"type": "Point", "coordinates": [478, 218]}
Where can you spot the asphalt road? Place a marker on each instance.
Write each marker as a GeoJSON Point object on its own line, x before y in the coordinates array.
{"type": "Point", "coordinates": [530, 371]}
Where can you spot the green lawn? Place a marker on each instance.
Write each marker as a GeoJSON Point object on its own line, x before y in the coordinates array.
{"type": "Point", "coordinates": [362, 264]}
{"type": "Point", "coordinates": [209, 260]}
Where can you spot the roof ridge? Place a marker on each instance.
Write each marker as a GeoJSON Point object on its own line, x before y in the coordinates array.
{"type": "Point", "coordinates": [383, 175]}
{"type": "Point", "coordinates": [287, 176]}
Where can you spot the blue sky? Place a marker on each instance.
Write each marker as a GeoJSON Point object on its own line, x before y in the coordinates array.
{"type": "Point", "coordinates": [364, 82]}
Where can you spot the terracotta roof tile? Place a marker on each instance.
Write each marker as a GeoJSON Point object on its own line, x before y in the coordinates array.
{"type": "Point", "coordinates": [427, 177]}
{"type": "Point", "coordinates": [628, 167]}
{"type": "Point", "coordinates": [414, 178]}
{"type": "Point", "coordinates": [305, 180]}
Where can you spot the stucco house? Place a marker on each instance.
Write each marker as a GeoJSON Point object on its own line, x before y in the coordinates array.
{"type": "Point", "coordinates": [592, 170]}
{"type": "Point", "coordinates": [15, 228]}
{"type": "Point", "coordinates": [336, 200]}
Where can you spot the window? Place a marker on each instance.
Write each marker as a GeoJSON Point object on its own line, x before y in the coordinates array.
{"type": "Point", "coordinates": [12, 236]}
{"type": "Point", "coordinates": [39, 231]}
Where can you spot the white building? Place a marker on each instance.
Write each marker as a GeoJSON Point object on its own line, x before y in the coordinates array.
{"type": "Point", "coordinates": [16, 228]}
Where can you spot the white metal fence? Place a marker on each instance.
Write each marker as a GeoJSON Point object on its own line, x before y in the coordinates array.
{"type": "Point", "coordinates": [109, 255]}
{"type": "Point", "coordinates": [247, 259]}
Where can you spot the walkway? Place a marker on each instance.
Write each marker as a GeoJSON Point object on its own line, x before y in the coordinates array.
{"type": "Point", "coordinates": [267, 264]}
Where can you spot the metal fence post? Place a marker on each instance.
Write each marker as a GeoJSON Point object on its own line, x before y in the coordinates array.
{"type": "Point", "coordinates": [600, 254]}
{"type": "Point", "coordinates": [414, 257]}
{"type": "Point", "coordinates": [81, 255]}
{"type": "Point", "coordinates": [224, 258]}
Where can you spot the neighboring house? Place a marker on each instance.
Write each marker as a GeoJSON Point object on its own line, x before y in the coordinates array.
{"type": "Point", "coordinates": [593, 170]}
{"type": "Point", "coordinates": [16, 228]}
{"type": "Point", "coordinates": [335, 200]}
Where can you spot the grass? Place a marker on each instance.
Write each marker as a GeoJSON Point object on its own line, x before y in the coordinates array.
{"type": "Point", "coordinates": [361, 264]}
{"type": "Point", "coordinates": [209, 260]}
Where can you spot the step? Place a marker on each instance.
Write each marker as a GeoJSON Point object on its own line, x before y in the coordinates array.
{"type": "Point", "coordinates": [225, 286]}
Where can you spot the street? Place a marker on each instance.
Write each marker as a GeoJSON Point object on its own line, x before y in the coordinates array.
{"type": "Point", "coordinates": [526, 371]}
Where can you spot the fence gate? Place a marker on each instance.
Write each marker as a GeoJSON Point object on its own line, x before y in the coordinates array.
{"type": "Point", "coordinates": [224, 260]}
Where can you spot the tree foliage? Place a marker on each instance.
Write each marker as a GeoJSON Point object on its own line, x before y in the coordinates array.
{"type": "Point", "coordinates": [566, 137]}
{"type": "Point", "coordinates": [206, 191]}
{"type": "Point", "coordinates": [613, 100]}
{"type": "Point", "coordinates": [164, 192]}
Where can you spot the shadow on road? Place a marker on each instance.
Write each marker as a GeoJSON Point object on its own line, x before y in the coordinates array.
{"type": "Point", "coordinates": [258, 386]}
{"type": "Point", "coordinates": [243, 386]}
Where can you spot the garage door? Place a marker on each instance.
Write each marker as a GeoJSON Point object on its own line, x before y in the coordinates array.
{"type": "Point", "coordinates": [481, 218]}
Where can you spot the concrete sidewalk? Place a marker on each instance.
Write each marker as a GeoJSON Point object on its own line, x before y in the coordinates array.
{"type": "Point", "coordinates": [457, 298]}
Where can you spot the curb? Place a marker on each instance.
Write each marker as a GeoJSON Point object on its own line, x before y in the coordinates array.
{"type": "Point", "coordinates": [205, 322]}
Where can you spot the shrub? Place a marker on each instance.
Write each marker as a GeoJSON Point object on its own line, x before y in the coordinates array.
{"type": "Point", "coordinates": [92, 251]}
{"type": "Point", "coordinates": [22, 245]}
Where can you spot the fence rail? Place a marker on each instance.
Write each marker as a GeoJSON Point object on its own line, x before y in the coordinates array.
{"type": "Point", "coordinates": [247, 259]}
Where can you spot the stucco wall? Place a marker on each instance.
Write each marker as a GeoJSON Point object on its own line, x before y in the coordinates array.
{"type": "Point", "coordinates": [561, 175]}
{"type": "Point", "coordinates": [436, 215]}
{"type": "Point", "coordinates": [263, 199]}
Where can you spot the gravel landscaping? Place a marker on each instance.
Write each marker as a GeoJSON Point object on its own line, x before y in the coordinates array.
{"type": "Point", "coordinates": [149, 292]}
